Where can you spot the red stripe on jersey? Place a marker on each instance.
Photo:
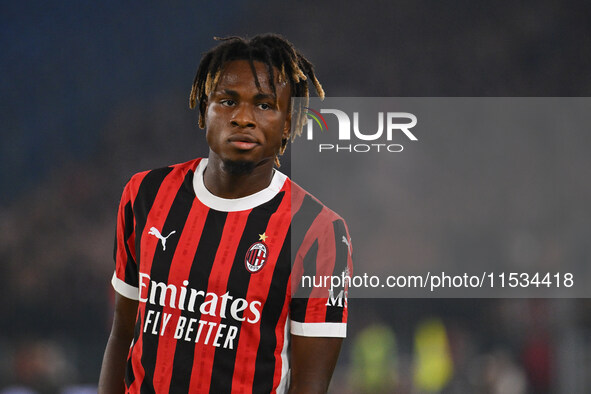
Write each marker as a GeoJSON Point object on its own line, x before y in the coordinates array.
{"type": "Point", "coordinates": [156, 218]}
{"type": "Point", "coordinates": [218, 284]}
{"type": "Point", "coordinates": [131, 243]}
{"type": "Point", "coordinates": [258, 289]}
{"type": "Point", "coordinates": [280, 333]}
{"type": "Point", "coordinates": [179, 272]}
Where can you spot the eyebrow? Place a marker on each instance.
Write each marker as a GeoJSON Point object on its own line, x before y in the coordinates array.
{"type": "Point", "coordinates": [259, 96]}
{"type": "Point", "coordinates": [264, 96]}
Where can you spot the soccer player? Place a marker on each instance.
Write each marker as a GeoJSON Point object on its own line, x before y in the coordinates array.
{"type": "Point", "coordinates": [207, 252]}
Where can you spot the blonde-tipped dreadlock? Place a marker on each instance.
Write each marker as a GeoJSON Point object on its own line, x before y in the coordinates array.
{"type": "Point", "coordinates": [274, 51]}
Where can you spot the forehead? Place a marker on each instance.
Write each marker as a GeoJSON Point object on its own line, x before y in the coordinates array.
{"type": "Point", "coordinates": [238, 74]}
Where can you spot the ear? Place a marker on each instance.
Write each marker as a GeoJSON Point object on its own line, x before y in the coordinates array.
{"type": "Point", "coordinates": [287, 126]}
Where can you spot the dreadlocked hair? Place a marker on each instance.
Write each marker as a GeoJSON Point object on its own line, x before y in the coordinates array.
{"type": "Point", "coordinates": [270, 49]}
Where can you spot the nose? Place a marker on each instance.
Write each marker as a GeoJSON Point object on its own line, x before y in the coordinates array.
{"type": "Point", "coordinates": [243, 116]}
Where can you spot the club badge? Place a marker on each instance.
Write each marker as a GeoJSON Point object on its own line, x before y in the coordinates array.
{"type": "Point", "coordinates": [256, 255]}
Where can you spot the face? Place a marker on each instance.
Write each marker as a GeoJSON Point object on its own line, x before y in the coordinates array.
{"type": "Point", "coordinates": [244, 124]}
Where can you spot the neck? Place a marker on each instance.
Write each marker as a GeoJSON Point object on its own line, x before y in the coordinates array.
{"type": "Point", "coordinates": [236, 180]}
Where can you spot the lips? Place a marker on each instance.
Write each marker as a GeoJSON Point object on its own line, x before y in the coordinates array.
{"type": "Point", "coordinates": [243, 141]}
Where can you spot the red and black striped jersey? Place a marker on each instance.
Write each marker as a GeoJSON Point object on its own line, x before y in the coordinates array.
{"type": "Point", "coordinates": [219, 281]}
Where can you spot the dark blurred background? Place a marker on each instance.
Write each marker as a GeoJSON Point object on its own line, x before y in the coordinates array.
{"type": "Point", "coordinates": [94, 92]}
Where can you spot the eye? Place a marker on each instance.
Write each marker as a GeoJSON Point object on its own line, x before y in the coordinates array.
{"type": "Point", "coordinates": [264, 106]}
{"type": "Point", "coordinates": [227, 102]}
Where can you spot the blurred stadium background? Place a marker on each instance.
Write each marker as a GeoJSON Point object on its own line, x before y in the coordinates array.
{"type": "Point", "coordinates": [94, 92]}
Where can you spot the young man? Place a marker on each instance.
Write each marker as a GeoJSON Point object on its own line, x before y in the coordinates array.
{"type": "Point", "coordinates": [208, 252]}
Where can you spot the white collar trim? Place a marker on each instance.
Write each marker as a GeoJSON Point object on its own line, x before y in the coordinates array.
{"type": "Point", "coordinates": [235, 204]}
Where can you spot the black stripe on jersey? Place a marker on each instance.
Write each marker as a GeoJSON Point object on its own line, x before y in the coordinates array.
{"type": "Point", "coordinates": [198, 279]}
{"type": "Point", "coordinates": [225, 359]}
{"type": "Point", "coordinates": [175, 221]}
{"type": "Point", "coordinates": [131, 269]}
{"type": "Point", "coordinates": [301, 223]}
{"type": "Point", "coordinates": [265, 361]}
{"type": "Point", "coordinates": [299, 300]}
{"type": "Point", "coordinates": [334, 312]}
{"type": "Point", "coordinates": [129, 376]}
{"type": "Point", "coordinates": [144, 200]}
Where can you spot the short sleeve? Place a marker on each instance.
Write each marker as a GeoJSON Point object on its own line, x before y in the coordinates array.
{"type": "Point", "coordinates": [318, 306]}
{"type": "Point", "coordinates": [125, 277]}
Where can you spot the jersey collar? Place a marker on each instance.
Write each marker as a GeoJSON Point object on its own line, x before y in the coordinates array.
{"type": "Point", "coordinates": [235, 204]}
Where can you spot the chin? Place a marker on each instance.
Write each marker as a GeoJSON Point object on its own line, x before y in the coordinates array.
{"type": "Point", "coordinates": [238, 167]}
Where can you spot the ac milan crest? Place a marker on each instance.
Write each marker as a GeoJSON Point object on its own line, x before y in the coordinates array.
{"type": "Point", "coordinates": [255, 257]}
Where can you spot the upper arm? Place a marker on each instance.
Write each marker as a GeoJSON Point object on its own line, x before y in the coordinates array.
{"type": "Point", "coordinates": [312, 363]}
{"type": "Point", "coordinates": [113, 369]}
{"type": "Point", "coordinates": [124, 317]}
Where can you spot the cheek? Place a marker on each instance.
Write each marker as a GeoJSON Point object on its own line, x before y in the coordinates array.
{"type": "Point", "coordinates": [211, 130]}
{"type": "Point", "coordinates": [275, 135]}
{"type": "Point", "coordinates": [209, 116]}
{"type": "Point", "coordinates": [275, 123]}
{"type": "Point", "coordinates": [213, 121]}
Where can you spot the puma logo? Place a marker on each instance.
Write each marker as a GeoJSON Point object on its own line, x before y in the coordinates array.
{"type": "Point", "coordinates": [347, 242]}
{"type": "Point", "coordinates": [154, 231]}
